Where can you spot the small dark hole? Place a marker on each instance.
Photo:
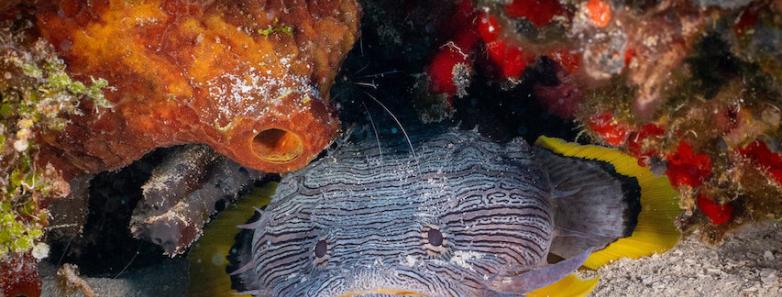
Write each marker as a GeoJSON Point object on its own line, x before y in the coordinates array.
{"type": "Point", "coordinates": [321, 248]}
{"type": "Point", "coordinates": [220, 205]}
{"type": "Point", "coordinates": [435, 237]}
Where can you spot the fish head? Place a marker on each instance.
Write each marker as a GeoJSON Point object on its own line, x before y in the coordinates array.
{"type": "Point", "coordinates": [445, 246]}
{"type": "Point", "coordinates": [450, 223]}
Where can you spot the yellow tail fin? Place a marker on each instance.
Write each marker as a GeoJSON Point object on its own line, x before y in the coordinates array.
{"type": "Point", "coordinates": [655, 231]}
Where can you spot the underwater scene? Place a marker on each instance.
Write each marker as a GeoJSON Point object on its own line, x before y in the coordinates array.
{"type": "Point", "coordinates": [377, 148]}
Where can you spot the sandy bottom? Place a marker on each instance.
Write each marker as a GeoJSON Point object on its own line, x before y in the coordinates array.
{"type": "Point", "coordinates": [749, 263]}
{"type": "Point", "coordinates": [168, 279]}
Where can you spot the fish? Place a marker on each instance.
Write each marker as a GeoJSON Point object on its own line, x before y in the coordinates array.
{"type": "Point", "coordinates": [451, 213]}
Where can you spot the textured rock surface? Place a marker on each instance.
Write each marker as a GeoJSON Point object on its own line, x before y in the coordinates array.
{"type": "Point", "coordinates": [249, 78]}
{"type": "Point", "coordinates": [183, 193]}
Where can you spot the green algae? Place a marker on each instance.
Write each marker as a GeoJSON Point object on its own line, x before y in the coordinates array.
{"type": "Point", "coordinates": [36, 98]}
{"type": "Point", "coordinates": [282, 29]}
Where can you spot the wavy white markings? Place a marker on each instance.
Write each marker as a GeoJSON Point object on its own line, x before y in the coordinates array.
{"type": "Point", "coordinates": [489, 201]}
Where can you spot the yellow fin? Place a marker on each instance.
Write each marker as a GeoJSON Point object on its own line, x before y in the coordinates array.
{"type": "Point", "coordinates": [207, 257]}
{"type": "Point", "coordinates": [569, 286]}
{"type": "Point", "coordinates": [655, 232]}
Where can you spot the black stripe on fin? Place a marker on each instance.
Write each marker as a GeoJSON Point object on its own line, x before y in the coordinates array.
{"type": "Point", "coordinates": [594, 205]}
{"type": "Point", "coordinates": [654, 230]}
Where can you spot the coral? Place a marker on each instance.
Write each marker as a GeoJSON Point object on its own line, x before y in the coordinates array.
{"type": "Point", "coordinates": [538, 12]}
{"type": "Point", "coordinates": [626, 43]}
{"type": "Point", "coordinates": [611, 131]}
{"type": "Point", "coordinates": [718, 213]}
{"type": "Point", "coordinates": [511, 60]}
{"type": "Point", "coordinates": [599, 13]}
{"type": "Point", "coordinates": [451, 67]}
{"type": "Point", "coordinates": [641, 143]}
{"type": "Point", "coordinates": [471, 36]}
{"type": "Point", "coordinates": [593, 41]}
{"type": "Point", "coordinates": [711, 122]}
{"type": "Point", "coordinates": [755, 36]}
{"type": "Point", "coordinates": [249, 78]}
{"type": "Point", "coordinates": [37, 96]}
{"type": "Point", "coordinates": [687, 168]}
{"type": "Point", "coordinates": [692, 89]}
{"type": "Point", "coordinates": [19, 276]}
{"type": "Point", "coordinates": [763, 157]}
{"type": "Point", "coordinates": [184, 191]}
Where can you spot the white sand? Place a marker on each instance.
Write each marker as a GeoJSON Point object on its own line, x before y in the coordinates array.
{"type": "Point", "coordinates": [748, 263]}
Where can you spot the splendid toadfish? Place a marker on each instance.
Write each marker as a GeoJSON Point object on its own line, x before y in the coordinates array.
{"type": "Point", "coordinates": [450, 213]}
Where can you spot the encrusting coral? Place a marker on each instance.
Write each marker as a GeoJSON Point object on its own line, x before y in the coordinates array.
{"type": "Point", "coordinates": [36, 96]}
{"type": "Point", "coordinates": [691, 88]}
{"type": "Point", "coordinates": [711, 122]}
{"type": "Point", "coordinates": [249, 78]}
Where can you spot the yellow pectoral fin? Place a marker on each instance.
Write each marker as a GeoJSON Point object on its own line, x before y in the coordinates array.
{"type": "Point", "coordinates": [569, 286]}
{"type": "Point", "coordinates": [207, 257]}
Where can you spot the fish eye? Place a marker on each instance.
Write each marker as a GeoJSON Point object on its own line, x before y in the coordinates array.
{"type": "Point", "coordinates": [433, 240]}
{"type": "Point", "coordinates": [321, 248]}
{"type": "Point", "coordinates": [435, 237]}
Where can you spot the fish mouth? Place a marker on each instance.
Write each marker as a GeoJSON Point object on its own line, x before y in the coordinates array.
{"type": "Point", "coordinates": [384, 292]}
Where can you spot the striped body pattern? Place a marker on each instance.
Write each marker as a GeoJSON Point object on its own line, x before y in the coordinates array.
{"type": "Point", "coordinates": [444, 219]}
